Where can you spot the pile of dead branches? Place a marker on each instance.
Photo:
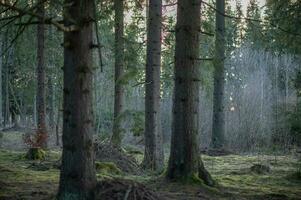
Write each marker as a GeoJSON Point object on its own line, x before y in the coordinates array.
{"type": "Point", "coordinates": [119, 189]}
{"type": "Point", "coordinates": [105, 152]}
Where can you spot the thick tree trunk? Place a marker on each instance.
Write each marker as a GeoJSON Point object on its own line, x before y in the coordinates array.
{"type": "Point", "coordinates": [153, 157]}
{"type": "Point", "coordinates": [77, 178]}
{"type": "Point", "coordinates": [218, 122]}
{"type": "Point", "coordinates": [41, 90]}
{"type": "Point", "coordinates": [119, 70]}
{"type": "Point", "coordinates": [184, 162]}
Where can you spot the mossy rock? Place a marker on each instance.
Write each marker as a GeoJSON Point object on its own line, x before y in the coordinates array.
{"type": "Point", "coordinates": [35, 154]}
{"type": "Point", "coordinates": [107, 168]}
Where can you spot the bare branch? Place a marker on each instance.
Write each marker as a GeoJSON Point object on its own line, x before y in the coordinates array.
{"type": "Point", "coordinates": [23, 12]}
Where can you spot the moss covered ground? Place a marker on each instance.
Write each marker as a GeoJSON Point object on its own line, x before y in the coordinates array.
{"type": "Point", "coordinates": [235, 177]}
{"type": "Point", "coordinates": [24, 179]}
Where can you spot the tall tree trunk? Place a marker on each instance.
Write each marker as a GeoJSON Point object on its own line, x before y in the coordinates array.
{"type": "Point", "coordinates": [77, 177]}
{"type": "Point", "coordinates": [119, 70]}
{"type": "Point", "coordinates": [218, 122]}
{"type": "Point", "coordinates": [185, 162]}
{"type": "Point", "coordinates": [57, 125]}
{"type": "Point", "coordinates": [34, 117]}
{"type": "Point", "coordinates": [51, 88]}
{"type": "Point", "coordinates": [153, 157]}
{"type": "Point", "coordinates": [6, 77]}
{"type": "Point", "coordinates": [51, 103]}
{"type": "Point", "coordinates": [41, 89]}
{"type": "Point", "coordinates": [1, 67]}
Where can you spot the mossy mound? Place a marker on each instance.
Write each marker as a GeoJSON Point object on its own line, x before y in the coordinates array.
{"type": "Point", "coordinates": [35, 154]}
{"type": "Point", "coordinates": [124, 189]}
{"type": "Point", "coordinates": [105, 152]}
{"type": "Point", "coordinates": [260, 169]}
{"type": "Point", "coordinates": [107, 168]}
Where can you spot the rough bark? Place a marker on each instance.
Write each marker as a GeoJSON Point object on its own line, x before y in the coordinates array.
{"type": "Point", "coordinates": [41, 89]}
{"type": "Point", "coordinates": [153, 157]}
{"type": "Point", "coordinates": [77, 177]}
{"type": "Point", "coordinates": [184, 162]}
{"type": "Point", "coordinates": [218, 121]}
{"type": "Point", "coordinates": [119, 70]}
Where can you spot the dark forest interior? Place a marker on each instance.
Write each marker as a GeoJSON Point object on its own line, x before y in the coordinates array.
{"type": "Point", "coordinates": [150, 99]}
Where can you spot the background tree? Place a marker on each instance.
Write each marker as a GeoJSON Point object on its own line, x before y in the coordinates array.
{"type": "Point", "coordinates": [184, 161]}
{"type": "Point", "coordinates": [218, 121]}
{"type": "Point", "coordinates": [119, 71]}
{"type": "Point", "coordinates": [153, 156]}
{"type": "Point", "coordinates": [41, 79]}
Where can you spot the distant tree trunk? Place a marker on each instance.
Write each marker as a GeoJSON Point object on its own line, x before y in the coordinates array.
{"type": "Point", "coordinates": [51, 91]}
{"type": "Point", "coordinates": [153, 157]}
{"type": "Point", "coordinates": [57, 125]}
{"type": "Point", "coordinates": [77, 177]}
{"type": "Point", "coordinates": [119, 70]}
{"type": "Point", "coordinates": [6, 78]}
{"type": "Point", "coordinates": [218, 122]}
{"type": "Point", "coordinates": [1, 67]}
{"type": "Point", "coordinates": [34, 118]}
{"type": "Point", "coordinates": [51, 103]}
{"type": "Point", "coordinates": [185, 162]}
{"type": "Point", "coordinates": [41, 89]}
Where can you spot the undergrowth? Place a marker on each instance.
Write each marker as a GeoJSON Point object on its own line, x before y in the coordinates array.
{"type": "Point", "coordinates": [18, 180]}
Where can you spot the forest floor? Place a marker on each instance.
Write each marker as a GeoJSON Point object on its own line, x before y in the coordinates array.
{"type": "Point", "coordinates": [37, 180]}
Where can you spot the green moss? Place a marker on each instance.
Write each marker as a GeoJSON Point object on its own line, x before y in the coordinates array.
{"type": "Point", "coordinates": [19, 181]}
{"type": "Point", "coordinates": [234, 175]}
{"type": "Point", "coordinates": [132, 150]}
{"type": "Point", "coordinates": [35, 154]}
{"type": "Point", "coordinates": [107, 168]}
{"type": "Point", "coordinates": [231, 172]}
